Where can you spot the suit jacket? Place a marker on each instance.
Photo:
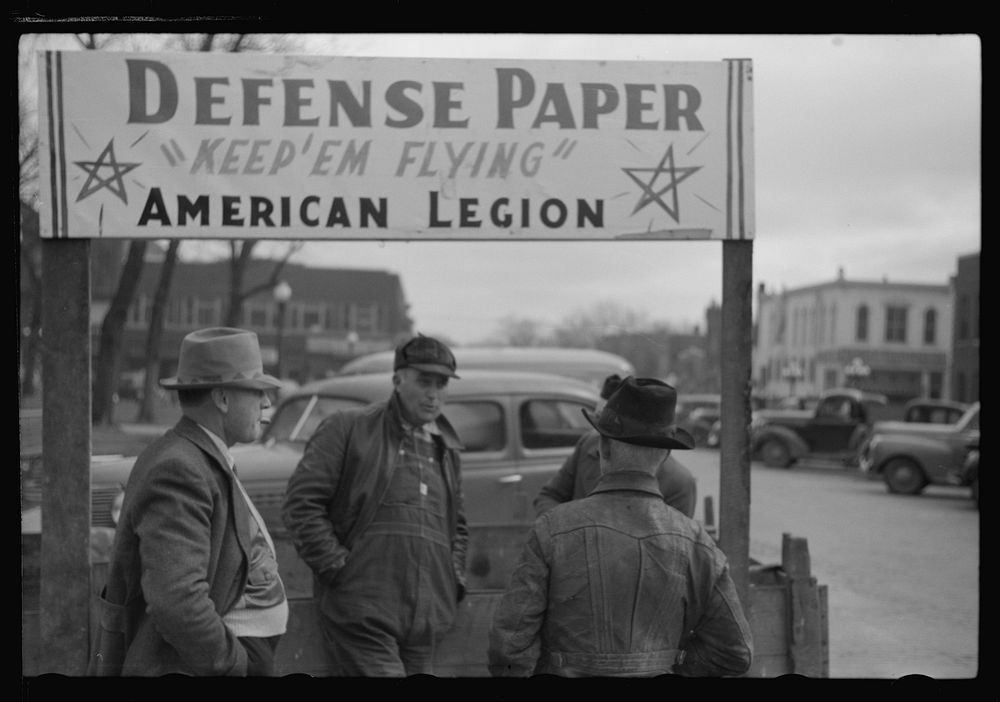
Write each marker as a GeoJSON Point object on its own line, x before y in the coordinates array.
{"type": "Point", "coordinates": [179, 562]}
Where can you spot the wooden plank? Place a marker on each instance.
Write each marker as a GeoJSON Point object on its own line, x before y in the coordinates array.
{"type": "Point", "coordinates": [65, 557]}
{"type": "Point", "coordinates": [807, 611]}
{"type": "Point", "coordinates": [824, 635]}
{"type": "Point", "coordinates": [734, 442]}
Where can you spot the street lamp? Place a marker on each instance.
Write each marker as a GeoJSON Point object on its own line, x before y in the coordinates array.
{"type": "Point", "coordinates": [282, 294]}
{"type": "Point", "coordinates": [792, 372]}
{"type": "Point", "coordinates": [855, 371]}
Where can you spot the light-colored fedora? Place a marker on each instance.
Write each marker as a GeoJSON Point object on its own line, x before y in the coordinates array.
{"type": "Point", "coordinates": [220, 357]}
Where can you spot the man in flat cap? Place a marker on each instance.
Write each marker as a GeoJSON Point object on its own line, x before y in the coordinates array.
{"type": "Point", "coordinates": [193, 583]}
{"type": "Point", "coordinates": [618, 583]}
{"type": "Point", "coordinates": [374, 507]}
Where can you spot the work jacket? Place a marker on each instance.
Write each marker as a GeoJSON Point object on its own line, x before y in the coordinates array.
{"type": "Point", "coordinates": [581, 470]}
{"type": "Point", "coordinates": [343, 475]}
{"type": "Point", "coordinates": [179, 562]}
{"type": "Point", "coordinates": [620, 584]}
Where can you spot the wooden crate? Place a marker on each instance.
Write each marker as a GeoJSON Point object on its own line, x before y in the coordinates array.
{"type": "Point", "coordinates": [787, 614]}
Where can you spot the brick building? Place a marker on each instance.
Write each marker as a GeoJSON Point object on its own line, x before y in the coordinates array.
{"type": "Point", "coordinates": [332, 314]}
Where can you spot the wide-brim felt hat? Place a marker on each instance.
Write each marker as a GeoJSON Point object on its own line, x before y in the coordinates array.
{"type": "Point", "coordinates": [641, 411]}
{"type": "Point", "coordinates": [220, 357]}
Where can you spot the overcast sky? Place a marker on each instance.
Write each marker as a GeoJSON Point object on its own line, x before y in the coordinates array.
{"type": "Point", "coordinates": [867, 158]}
{"type": "Point", "coordinates": [867, 153]}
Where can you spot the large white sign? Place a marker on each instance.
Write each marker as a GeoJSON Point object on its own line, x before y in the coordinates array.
{"type": "Point", "coordinates": [212, 145]}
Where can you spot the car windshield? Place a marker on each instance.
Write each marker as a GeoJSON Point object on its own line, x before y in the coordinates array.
{"type": "Point", "coordinates": [297, 419]}
{"type": "Point", "coordinates": [971, 418]}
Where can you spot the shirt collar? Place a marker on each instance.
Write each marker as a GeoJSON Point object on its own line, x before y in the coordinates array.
{"type": "Point", "coordinates": [219, 444]}
{"type": "Point", "coordinates": [428, 428]}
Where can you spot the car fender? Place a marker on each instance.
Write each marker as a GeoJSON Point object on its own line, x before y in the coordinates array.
{"type": "Point", "coordinates": [796, 445]}
{"type": "Point", "coordinates": [926, 452]}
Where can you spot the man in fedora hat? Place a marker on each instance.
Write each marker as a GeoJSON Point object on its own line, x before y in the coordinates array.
{"type": "Point", "coordinates": [193, 583]}
{"type": "Point", "coordinates": [618, 583]}
{"type": "Point", "coordinates": [581, 470]}
{"type": "Point", "coordinates": [375, 508]}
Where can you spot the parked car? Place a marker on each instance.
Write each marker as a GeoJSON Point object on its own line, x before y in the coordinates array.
{"type": "Point", "coordinates": [517, 428]}
{"type": "Point", "coordinates": [697, 413]}
{"type": "Point", "coordinates": [933, 411]}
{"type": "Point", "coordinates": [909, 456]}
{"type": "Point", "coordinates": [970, 470]}
{"type": "Point", "coordinates": [589, 365]}
{"type": "Point", "coordinates": [834, 430]}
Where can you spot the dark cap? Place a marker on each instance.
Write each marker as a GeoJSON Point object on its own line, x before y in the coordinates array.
{"type": "Point", "coordinates": [425, 354]}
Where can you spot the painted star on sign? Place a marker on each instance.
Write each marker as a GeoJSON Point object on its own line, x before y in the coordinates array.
{"type": "Point", "coordinates": [113, 181]}
{"type": "Point", "coordinates": [676, 175]}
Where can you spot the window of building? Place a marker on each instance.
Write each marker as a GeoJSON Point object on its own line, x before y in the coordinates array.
{"type": "Point", "coordinates": [312, 315]}
{"type": "Point", "coordinates": [960, 387]}
{"type": "Point", "coordinates": [139, 312]}
{"type": "Point", "coordinates": [895, 324]}
{"type": "Point", "coordinates": [366, 317]}
{"type": "Point", "coordinates": [256, 314]}
{"type": "Point", "coordinates": [207, 313]}
{"type": "Point", "coordinates": [336, 317]}
{"type": "Point", "coordinates": [861, 324]}
{"type": "Point", "coordinates": [174, 316]}
{"type": "Point", "coordinates": [930, 326]}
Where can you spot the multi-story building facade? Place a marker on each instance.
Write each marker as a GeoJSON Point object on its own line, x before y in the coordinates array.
{"type": "Point", "coordinates": [890, 338]}
{"type": "Point", "coordinates": [330, 316]}
{"type": "Point", "coordinates": [965, 338]}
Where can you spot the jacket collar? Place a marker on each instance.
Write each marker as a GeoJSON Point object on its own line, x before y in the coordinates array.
{"type": "Point", "coordinates": [628, 480]}
{"type": "Point", "coordinates": [442, 425]}
{"type": "Point", "coordinates": [193, 432]}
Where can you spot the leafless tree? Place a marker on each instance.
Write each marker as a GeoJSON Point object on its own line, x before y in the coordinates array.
{"type": "Point", "coordinates": [240, 254]}
{"type": "Point", "coordinates": [584, 327]}
{"type": "Point", "coordinates": [155, 333]}
{"type": "Point", "coordinates": [521, 331]}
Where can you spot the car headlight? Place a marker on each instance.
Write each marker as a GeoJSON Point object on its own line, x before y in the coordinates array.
{"type": "Point", "coordinates": [116, 505]}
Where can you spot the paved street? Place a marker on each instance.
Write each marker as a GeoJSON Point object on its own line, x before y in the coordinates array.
{"type": "Point", "coordinates": [902, 572]}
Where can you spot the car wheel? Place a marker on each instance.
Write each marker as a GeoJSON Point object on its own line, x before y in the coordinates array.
{"type": "Point", "coordinates": [775, 453]}
{"type": "Point", "coordinates": [904, 477]}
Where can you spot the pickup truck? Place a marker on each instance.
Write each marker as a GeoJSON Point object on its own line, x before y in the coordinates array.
{"type": "Point", "coordinates": [834, 430]}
